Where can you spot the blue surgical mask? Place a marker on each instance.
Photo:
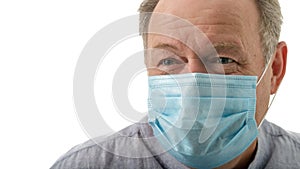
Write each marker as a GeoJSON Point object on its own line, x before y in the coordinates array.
{"type": "Point", "coordinates": [203, 120]}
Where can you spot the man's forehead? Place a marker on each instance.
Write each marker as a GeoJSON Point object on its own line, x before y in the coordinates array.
{"type": "Point", "coordinates": [198, 22]}
{"type": "Point", "coordinates": [202, 13]}
{"type": "Point", "coordinates": [195, 8]}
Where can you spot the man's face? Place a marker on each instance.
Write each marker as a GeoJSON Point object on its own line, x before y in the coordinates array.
{"type": "Point", "coordinates": [231, 27]}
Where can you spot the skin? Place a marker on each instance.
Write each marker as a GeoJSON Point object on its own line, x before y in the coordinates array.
{"type": "Point", "coordinates": [232, 27]}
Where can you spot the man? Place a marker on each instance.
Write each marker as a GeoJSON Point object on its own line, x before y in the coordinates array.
{"type": "Point", "coordinates": [209, 91]}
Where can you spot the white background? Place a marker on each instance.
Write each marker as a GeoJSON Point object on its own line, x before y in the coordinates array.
{"type": "Point", "coordinates": [40, 42]}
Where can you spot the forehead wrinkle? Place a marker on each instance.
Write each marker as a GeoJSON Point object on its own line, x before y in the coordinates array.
{"type": "Point", "coordinates": [215, 17]}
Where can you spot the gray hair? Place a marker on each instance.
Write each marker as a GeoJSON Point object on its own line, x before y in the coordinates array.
{"type": "Point", "coordinates": [269, 26]}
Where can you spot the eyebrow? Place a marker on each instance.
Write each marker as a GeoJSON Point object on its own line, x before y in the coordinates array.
{"type": "Point", "coordinates": [220, 47]}
{"type": "Point", "coordinates": [224, 47]}
{"type": "Point", "coordinates": [166, 46]}
{"type": "Point", "coordinates": [174, 47]}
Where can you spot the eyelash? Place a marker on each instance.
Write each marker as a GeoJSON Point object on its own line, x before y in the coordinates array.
{"type": "Point", "coordinates": [217, 60]}
{"type": "Point", "coordinates": [220, 59]}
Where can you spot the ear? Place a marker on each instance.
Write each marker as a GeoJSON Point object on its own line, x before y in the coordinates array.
{"type": "Point", "coordinates": [278, 66]}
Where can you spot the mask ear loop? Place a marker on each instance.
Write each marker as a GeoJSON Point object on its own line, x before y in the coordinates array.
{"type": "Point", "coordinates": [264, 72]}
{"type": "Point", "coordinates": [269, 106]}
{"type": "Point", "coordinates": [273, 95]}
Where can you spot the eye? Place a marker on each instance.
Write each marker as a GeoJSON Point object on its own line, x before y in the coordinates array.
{"type": "Point", "coordinates": [224, 60]}
{"type": "Point", "coordinates": [169, 62]}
